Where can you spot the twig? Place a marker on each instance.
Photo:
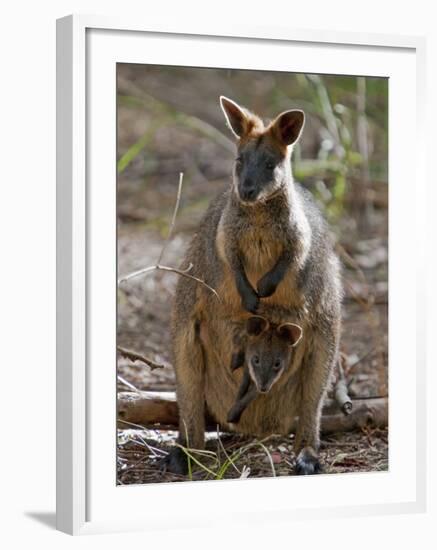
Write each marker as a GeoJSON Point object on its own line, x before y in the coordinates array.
{"type": "Point", "coordinates": [183, 273]}
{"type": "Point", "coordinates": [126, 383]}
{"type": "Point", "coordinates": [245, 473]}
{"type": "Point", "coordinates": [151, 268]}
{"type": "Point", "coordinates": [135, 356]}
{"type": "Point", "coordinates": [173, 220]}
{"type": "Point", "coordinates": [340, 391]}
{"type": "Point", "coordinates": [158, 266]}
{"type": "Point", "coordinates": [227, 455]}
{"type": "Point", "coordinates": [269, 456]}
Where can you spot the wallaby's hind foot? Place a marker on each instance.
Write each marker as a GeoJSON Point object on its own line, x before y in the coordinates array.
{"type": "Point", "coordinates": [307, 462]}
{"type": "Point", "coordinates": [175, 462]}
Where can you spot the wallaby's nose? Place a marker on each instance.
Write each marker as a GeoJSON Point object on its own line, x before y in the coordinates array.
{"type": "Point", "coordinates": [248, 192]}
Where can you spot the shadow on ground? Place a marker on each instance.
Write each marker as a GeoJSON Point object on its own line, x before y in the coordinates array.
{"type": "Point", "coordinates": [45, 518]}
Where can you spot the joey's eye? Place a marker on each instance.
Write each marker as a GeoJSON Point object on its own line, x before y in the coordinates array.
{"type": "Point", "coordinates": [238, 161]}
{"type": "Point", "coordinates": [277, 365]}
{"type": "Point", "coordinates": [255, 360]}
{"type": "Point", "coordinates": [270, 165]}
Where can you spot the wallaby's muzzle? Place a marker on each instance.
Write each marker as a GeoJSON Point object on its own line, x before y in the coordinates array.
{"type": "Point", "coordinates": [247, 192]}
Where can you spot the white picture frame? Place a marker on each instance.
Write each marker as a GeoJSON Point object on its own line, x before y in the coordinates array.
{"type": "Point", "coordinates": [87, 501]}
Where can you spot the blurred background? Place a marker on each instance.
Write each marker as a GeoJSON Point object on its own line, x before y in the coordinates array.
{"type": "Point", "coordinates": [170, 121]}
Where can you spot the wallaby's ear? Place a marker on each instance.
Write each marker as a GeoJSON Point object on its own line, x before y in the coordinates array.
{"type": "Point", "coordinates": [291, 333]}
{"type": "Point", "coordinates": [287, 127]}
{"type": "Point", "coordinates": [235, 116]}
{"type": "Point", "coordinates": [256, 325]}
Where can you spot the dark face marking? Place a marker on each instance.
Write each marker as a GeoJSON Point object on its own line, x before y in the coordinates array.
{"type": "Point", "coordinates": [269, 350]}
{"type": "Point", "coordinates": [259, 170]}
{"type": "Point", "coordinates": [267, 357]}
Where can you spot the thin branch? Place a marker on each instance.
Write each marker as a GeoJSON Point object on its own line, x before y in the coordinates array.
{"type": "Point", "coordinates": [145, 270]}
{"type": "Point", "coordinates": [127, 383]}
{"type": "Point", "coordinates": [134, 356]}
{"type": "Point", "coordinates": [340, 391]}
{"type": "Point", "coordinates": [269, 456]}
{"type": "Point", "coordinates": [173, 220]}
{"type": "Point", "coordinates": [185, 274]}
{"type": "Point", "coordinates": [226, 453]}
{"type": "Point", "coordinates": [151, 408]}
{"type": "Point", "coordinates": [158, 266]}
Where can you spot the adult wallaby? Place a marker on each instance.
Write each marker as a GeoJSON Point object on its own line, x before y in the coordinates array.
{"type": "Point", "coordinates": [264, 246]}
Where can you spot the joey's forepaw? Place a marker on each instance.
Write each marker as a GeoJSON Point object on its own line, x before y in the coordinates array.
{"type": "Point", "coordinates": [307, 463]}
{"type": "Point", "coordinates": [266, 287]}
{"type": "Point", "coordinates": [250, 302]}
{"type": "Point", "coordinates": [234, 416]}
{"type": "Point", "coordinates": [175, 462]}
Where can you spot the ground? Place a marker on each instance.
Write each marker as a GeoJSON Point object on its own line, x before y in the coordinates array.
{"type": "Point", "coordinates": [141, 450]}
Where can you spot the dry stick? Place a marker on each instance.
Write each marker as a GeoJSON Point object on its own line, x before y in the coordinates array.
{"type": "Point", "coordinates": [173, 219]}
{"type": "Point", "coordinates": [158, 266]}
{"type": "Point", "coordinates": [149, 269]}
{"type": "Point", "coordinates": [340, 391]}
{"type": "Point", "coordinates": [135, 356]}
{"type": "Point", "coordinates": [126, 383]}
{"type": "Point", "coordinates": [151, 408]}
{"type": "Point", "coordinates": [226, 453]}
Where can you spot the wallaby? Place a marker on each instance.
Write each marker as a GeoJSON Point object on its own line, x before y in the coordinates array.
{"type": "Point", "coordinates": [262, 245]}
{"type": "Point", "coordinates": [266, 354]}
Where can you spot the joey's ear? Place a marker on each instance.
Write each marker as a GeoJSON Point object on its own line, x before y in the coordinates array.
{"type": "Point", "coordinates": [287, 127]}
{"type": "Point", "coordinates": [256, 325]}
{"type": "Point", "coordinates": [235, 115]}
{"type": "Point", "coordinates": [291, 333]}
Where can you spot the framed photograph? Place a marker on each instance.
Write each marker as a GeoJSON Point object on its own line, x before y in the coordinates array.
{"type": "Point", "coordinates": [236, 315]}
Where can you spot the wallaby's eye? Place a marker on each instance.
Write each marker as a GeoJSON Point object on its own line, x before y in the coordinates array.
{"type": "Point", "coordinates": [277, 365]}
{"type": "Point", "coordinates": [270, 165]}
{"type": "Point", "coordinates": [255, 360]}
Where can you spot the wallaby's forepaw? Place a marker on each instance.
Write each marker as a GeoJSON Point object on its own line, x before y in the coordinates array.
{"type": "Point", "coordinates": [175, 462]}
{"type": "Point", "coordinates": [250, 301]}
{"type": "Point", "coordinates": [266, 287]}
{"type": "Point", "coordinates": [307, 463]}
